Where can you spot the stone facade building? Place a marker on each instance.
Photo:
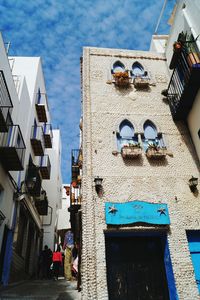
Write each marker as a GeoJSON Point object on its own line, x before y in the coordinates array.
{"type": "Point", "coordinates": [132, 144]}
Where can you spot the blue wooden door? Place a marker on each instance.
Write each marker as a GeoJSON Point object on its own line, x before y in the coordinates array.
{"type": "Point", "coordinates": [194, 247]}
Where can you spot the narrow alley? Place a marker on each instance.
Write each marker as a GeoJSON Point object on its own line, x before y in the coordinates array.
{"type": "Point", "coordinates": [42, 289]}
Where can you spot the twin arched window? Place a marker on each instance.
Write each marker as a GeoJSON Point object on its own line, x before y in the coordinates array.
{"type": "Point", "coordinates": [150, 136]}
{"type": "Point", "coordinates": [136, 71]}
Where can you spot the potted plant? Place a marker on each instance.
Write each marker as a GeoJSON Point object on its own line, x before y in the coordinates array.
{"type": "Point", "coordinates": [193, 56]}
{"type": "Point", "coordinates": [155, 151]}
{"type": "Point", "coordinates": [121, 78]}
{"type": "Point", "coordinates": [131, 150]}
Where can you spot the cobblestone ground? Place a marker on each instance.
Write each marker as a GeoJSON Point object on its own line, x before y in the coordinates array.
{"type": "Point", "coordinates": [41, 289]}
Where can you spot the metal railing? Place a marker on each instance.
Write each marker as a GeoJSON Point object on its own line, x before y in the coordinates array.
{"type": "Point", "coordinates": [13, 139]}
{"type": "Point", "coordinates": [37, 133]}
{"type": "Point", "coordinates": [48, 129]}
{"type": "Point", "coordinates": [75, 157]}
{"type": "Point", "coordinates": [180, 78]}
{"type": "Point", "coordinates": [5, 99]}
{"type": "Point", "coordinates": [44, 161]}
{"type": "Point", "coordinates": [42, 99]}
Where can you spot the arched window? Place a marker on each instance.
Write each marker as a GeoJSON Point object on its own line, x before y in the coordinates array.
{"type": "Point", "coordinates": [118, 67]}
{"type": "Point", "coordinates": [151, 136]}
{"type": "Point", "coordinates": [126, 135]}
{"type": "Point", "coordinates": [138, 70]}
{"type": "Point", "coordinates": [150, 131]}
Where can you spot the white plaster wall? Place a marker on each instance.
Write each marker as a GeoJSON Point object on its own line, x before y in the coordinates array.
{"type": "Point", "coordinates": [53, 188]}
{"type": "Point", "coordinates": [6, 201]}
{"type": "Point", "coordinates": [104, 107]}
{"type": "Point", "coordinates": [158, 43]}
{"type": "Point", "coordinates": [194, 123]}
{"type": "Point", "coordinates": [63, 213]}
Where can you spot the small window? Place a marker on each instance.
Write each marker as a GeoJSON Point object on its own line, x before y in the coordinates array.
{"type": "Point", "coordinates": [118, 67]}
{"type": "Point", "coordinates": [126, 135]}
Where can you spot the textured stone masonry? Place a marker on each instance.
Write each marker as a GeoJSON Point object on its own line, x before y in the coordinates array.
{"type": "Point", "coordinates": [104, 107]}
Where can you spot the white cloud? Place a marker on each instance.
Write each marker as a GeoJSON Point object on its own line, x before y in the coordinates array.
{"type": "Point", "coordinates": [57, 31]}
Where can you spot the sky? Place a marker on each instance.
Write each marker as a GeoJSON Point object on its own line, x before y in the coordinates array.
{"type": "Point", "coordinates": [57, 30]}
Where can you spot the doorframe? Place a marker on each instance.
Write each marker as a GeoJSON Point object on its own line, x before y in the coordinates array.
{"type": "Point", "coordinates": [163, 234]}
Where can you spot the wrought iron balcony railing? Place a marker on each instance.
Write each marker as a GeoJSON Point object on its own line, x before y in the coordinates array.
{"type": "Point", "coordinates": [184, 82]}
{"type": "Point", "coordinates": [33, 180]}
{"type": "Point", "coordinates": [41, 106]}
{"type": "Point", "coordinates": [41, 203]}
{"type": "Point", "coordinates": [37, 140]}
{"type": "Point", "coordinates": [48, 135]}
{"type": "Point", "coordinates": [75, 163]}
{"type": "Point", "coordinates": [45, 166]}
{"type": "Point", "coordinates": [5, 104]}
{"type": "Point", "coordinates": [12, 149]}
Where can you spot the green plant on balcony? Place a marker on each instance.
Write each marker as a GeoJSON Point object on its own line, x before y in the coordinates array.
{"type": "Point", "coordinates": [131, 150]}
{"type": "Point", "coordinates": [155, 151]}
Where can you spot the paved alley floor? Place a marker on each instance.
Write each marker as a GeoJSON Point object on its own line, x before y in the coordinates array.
{"type": "Point", "coordinates": [42, 289]}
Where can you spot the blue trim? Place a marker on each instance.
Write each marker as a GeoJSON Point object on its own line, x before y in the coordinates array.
{"type": "Point", "coordinates": [169, 273]}
{"type": "Point", "coordinates": [39, 96]}
{"type": "Point", "coordinates": [7, 258]}
{"type": "Point", "coordinates": [193, 237]}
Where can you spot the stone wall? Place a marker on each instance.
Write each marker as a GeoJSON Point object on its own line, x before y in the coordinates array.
{"type": "Point", "coordinates": [161, 181]}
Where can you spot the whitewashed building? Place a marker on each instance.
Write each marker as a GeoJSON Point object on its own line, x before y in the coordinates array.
{"type": "Point", "coordinates": [35, 192]}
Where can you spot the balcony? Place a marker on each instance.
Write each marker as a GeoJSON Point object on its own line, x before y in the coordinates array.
{"type": "Point", "coordinates": [33, 180]}
{"type": "Point", "coordinates": [41, 203]}
{"type": "Point", "coordinates": [12, 149]}
{"type": "Point", "coordinates": [45, 166]}
{"type": "Point", "coordinates": [185, 80]}
{"type": "Point", "coordinates": [37, 140]}
{"type": "Point", "coordinates": [5, 105]}
{"type": "Point", "coordinates": [75, 164]}
{"type": "Point", "coordinates": [48, 135]}
{"type": "Point", "coordinates": [41, 107]}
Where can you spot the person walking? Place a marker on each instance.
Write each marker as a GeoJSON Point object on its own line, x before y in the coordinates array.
{"type": "Point", "coordinates": [57, 262]}
{"type": "Point", "coordinates": [45, 262]}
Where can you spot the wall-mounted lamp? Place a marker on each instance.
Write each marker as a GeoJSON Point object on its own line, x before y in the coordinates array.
{"type": "Point", "coordinates": [193, 182]}
{"type": "Point", "coordinates": [98, 185]}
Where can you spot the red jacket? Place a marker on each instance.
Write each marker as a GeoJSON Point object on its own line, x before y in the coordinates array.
{"type": "Point", "coordinates": [57, 256]}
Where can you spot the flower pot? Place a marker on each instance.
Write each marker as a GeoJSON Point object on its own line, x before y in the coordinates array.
{"type": "Point", "coordinates": [121, 79]}
{"type": "Point", "coordinates": [193, 59]}
{"type": "Point", "coordinates": [131, 151]}
{"type": "Point", "coordinates": [141, 83]}
{"type": "Point", "coordinates": [156, 152]}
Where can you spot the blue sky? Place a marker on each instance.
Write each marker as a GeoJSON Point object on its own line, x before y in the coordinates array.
{"type": "Point", "coordinates": [57, 30]}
